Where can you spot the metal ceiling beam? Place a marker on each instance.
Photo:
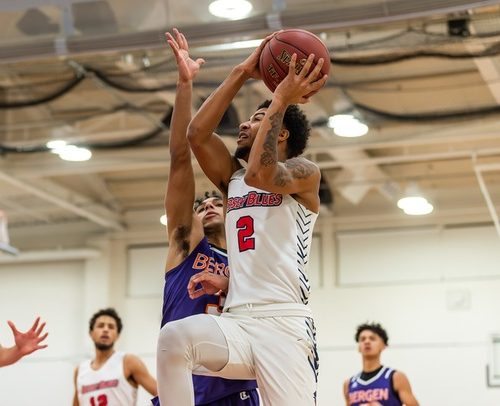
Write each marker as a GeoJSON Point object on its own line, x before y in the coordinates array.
{"type": "Point", "coordinates": [478, 169]}
{"type": "Point", "coordinates": [63, 198]}
{"type": "Point", "coordinates": [407, 158]}
{"type": "Point", "coordinates": [15, 5]}
{"type": "Point", "coordinates": [362, 221]}
{"type": "Point", "coordinates": [326, 18]}
{"type": "Point", "coordinates": [488, 67]}
{"type": "Point", "coordinates": [52, 256]}
{"type": "Point", "coordinates": [158, 158]}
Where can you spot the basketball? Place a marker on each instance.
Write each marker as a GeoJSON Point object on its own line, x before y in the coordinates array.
{"type": "Point", "coordinates": [276, 55]}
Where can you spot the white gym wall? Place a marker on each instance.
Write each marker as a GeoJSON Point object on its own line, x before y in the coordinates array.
{"type": "Point", "coordinates": [435, 290]}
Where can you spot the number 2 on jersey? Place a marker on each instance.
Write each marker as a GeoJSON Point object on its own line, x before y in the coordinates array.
{"type": "Point", "coordinates": [101, 400]}
{"type": "Point", "coordinates": [245, 232]}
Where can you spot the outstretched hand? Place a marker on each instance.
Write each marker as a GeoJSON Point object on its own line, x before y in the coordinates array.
{"type": "Point", "coordinates": [187, 67]}
{"type": "Point", "coordinates": [299, 87]}
{"type": "Point", "coordinates": [210, 283]}
{"type": "Point", "coordinates": [28, 342]}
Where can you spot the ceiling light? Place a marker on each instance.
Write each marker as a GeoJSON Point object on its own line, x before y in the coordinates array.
{"type": "Point", "coordinates": [251, 43]}
{"type": "Point", "coordinates": [414, 204]}
{"type": "Point", "coordinates": [146, 61]}
{"type": "Point", "coordinates": [346, 125]}
{"type": "Point", "coordinates": [74, 153]}
{"type": "Point", "coordinates": [55, 145]}
{"type": "Point", "coordinates": [163, 219]}
{"type": "Point", "coordinates": [231, 9]}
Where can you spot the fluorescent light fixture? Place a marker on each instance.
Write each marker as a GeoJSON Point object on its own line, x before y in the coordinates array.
{"type": "Point", "coordinates": [163, 219]}
{"type": "Point", "coordinates": [128, 59]}
{"type": "Point", "coordinates": [55, 145]}
{"type": "Point", "coordinates": [146, 61]}
{"type": "Point", "coordinates": [346, 125]}
{"type": "Point", "coordinates": [230, 9]}
{"type": "Point", "coordinates": [74, 153]}
{"type": "Point", "coordinates": [415, 205]}
{"type": "Point", "coordinates": [251, 43]}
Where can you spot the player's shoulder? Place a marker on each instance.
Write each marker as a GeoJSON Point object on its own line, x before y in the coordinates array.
{"type": "Point", "coordinates": [399, 379]}
{"type": "Point", "coordinates": [399, 374]}
{"type": "Point", "coordinates": [131, 363]}
{"type": "Point", "coordinates": [302, 167]}
{"type": "Point", "coordinates": [301, 159]}
{"type": "Point", "coordinates": [129, 357]}
{"type": "Point", "coordinates": [132, 359]}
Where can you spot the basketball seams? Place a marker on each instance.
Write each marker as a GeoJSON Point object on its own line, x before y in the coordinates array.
{"type": "Point", "coordinates": [302, 32]}
{"type": "Point", "coordinates": [277, 52]}
{"type": "Point", "coordinates": [277, 64]}
{"type": "Point", "coordinates": [306, 54]}
{"type": "Point", "coordinates": [266, 75]}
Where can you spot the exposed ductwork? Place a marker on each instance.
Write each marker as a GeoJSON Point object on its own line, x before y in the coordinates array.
{"type": "Point", "coordinates": [330, 18]}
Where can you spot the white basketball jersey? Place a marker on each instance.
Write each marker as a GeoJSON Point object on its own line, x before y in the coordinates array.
{"type": "Point", "coordinates": [268, 243]}
{"type": "Point", "coordinates": [106, 386]}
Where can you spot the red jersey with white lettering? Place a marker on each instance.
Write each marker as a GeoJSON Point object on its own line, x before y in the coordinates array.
{"type": "Point", "coordinates": [106, 386]}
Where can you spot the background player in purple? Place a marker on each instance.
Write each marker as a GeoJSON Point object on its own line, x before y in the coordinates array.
{"type": "Point", "coordinates": [376, 385]}
{"type": "Point", "coordinates": [196, 239]}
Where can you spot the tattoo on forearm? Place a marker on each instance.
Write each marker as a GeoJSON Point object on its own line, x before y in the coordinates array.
{"type": "Point", "coordinates": [270, 154]}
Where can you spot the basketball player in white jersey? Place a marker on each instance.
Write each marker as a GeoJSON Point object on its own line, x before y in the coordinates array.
{"type": "Point", "coordinates": [25, 343]}
{"type": "Point", "coordinates": [112, 377]}
{"type": "Point", "coordinates": [266, 330]}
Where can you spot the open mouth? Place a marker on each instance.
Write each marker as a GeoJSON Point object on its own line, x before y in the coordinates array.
{"type": "Point", "coordinates": [242, 136]}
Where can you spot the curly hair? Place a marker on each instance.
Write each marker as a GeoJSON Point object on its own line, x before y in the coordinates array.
{"type": "Point", "coordinates": [106, 312]}
{"type": "Point", "coordinates": [375, 328]}
{"type": "Point", "coordinates": [295, 121]}
{"type": "Point", "coordinates": [200, 199]}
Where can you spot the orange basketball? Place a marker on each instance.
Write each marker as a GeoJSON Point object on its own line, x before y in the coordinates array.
{"type": "Point", "coordinates": [276, 55]}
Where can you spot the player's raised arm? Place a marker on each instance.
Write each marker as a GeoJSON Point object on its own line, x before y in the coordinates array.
{"type": "Point", "coordinates": [179, 196]}
{"type": "Point", "coordinates": [211, 153]}
{"type": "Point", "coordinates": [269, 165]}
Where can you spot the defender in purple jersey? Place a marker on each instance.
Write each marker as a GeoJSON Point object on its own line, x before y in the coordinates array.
{"type": "Point", "coordinates": [196, 238]}
{"type": "Point", "coordinates": [376, 385]}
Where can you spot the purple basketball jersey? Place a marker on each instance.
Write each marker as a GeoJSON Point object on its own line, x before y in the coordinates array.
{"type": "Point", "coordinates": [177, 305]}
{"type": "Point", "coordinates": [375, 391]}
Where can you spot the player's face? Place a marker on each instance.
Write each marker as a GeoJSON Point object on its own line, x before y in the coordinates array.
{"type": "Point", "coordinates": [211, 211]}
{"type": "Point", "coordinates": [370, 344]}
{"type": "Point", "coordinates": [248, 131]}
{"type": "Point", "coordinates": [105, 332]}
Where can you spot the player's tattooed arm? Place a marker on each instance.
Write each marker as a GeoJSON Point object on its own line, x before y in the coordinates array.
{"type": "Point", "coordinates": [269, 154]}
{"type": "Point", "coordinates": [300, 168]}
{"type": "Point", "coordinates": [294, 169]}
